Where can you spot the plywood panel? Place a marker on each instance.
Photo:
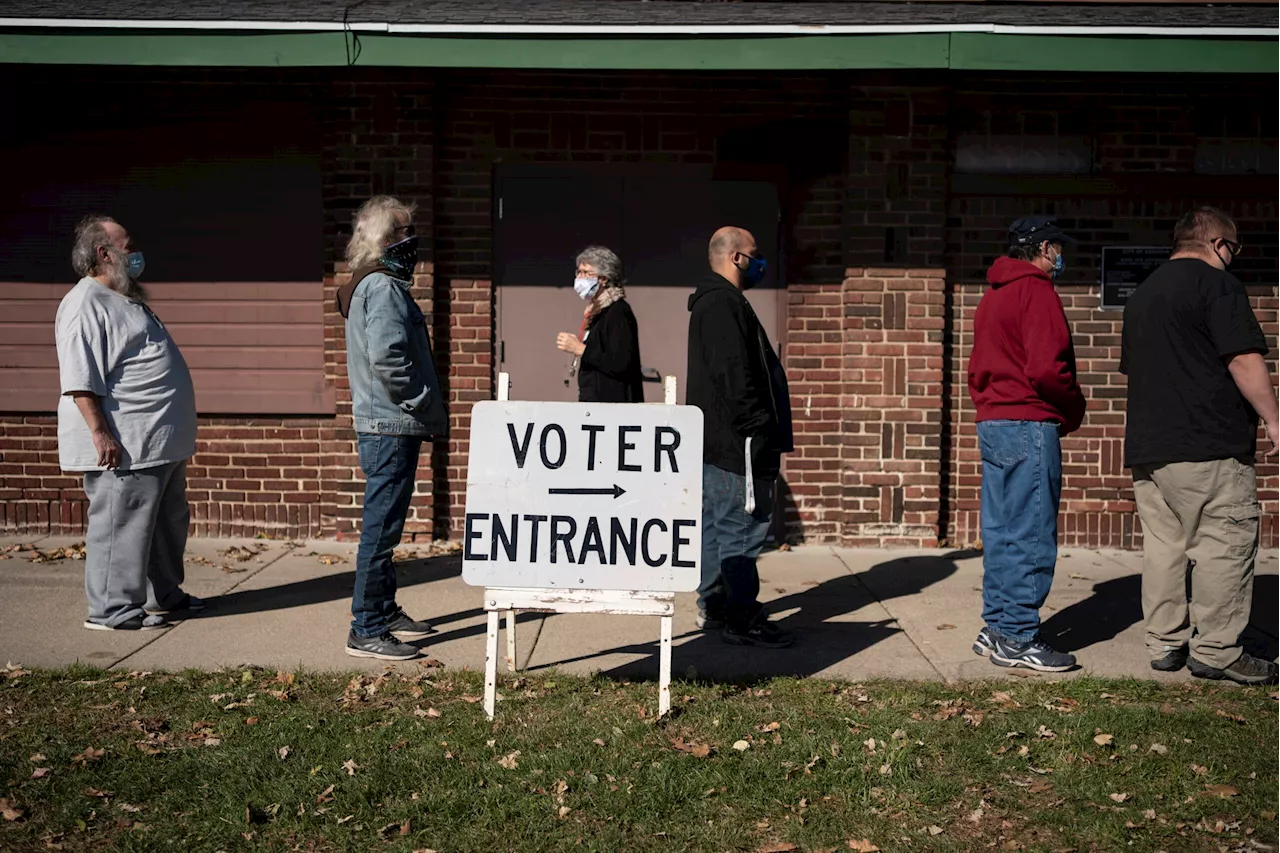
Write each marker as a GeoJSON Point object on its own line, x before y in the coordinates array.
{"type": "Point", "coordinates": [253, 348]}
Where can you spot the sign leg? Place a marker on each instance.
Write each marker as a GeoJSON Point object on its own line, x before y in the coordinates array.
{"type": "Point", "coordinates": [491, 666]}
{"type": "Point", "coordinates": [511, 641]}
{"type": "Point", "coordinates": [664, 668]}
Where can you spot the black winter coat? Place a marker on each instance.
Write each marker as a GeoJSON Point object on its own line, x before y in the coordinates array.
{"type": "Point", "coordinates": [735, 377]}
{"type": "Point", "coordinates": [609, 369]}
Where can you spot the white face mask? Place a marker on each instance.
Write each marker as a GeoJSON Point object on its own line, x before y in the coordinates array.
{"type": "Point", "coordinates": [586, 287]}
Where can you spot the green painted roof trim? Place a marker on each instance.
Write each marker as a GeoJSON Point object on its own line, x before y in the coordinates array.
{"type": "Point", "coordinates": [967, 51]}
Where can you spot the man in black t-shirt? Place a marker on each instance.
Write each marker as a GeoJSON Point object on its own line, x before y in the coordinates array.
{"type": "Point", "coordinates": [1198, 381]}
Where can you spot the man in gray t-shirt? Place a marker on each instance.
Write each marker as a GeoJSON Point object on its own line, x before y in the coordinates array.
{"type": "Point", "coordinates": [127, 419]}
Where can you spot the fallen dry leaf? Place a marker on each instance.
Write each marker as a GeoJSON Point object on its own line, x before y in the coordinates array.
{"type": "Point", "coordinates": [250, 721]}
{"type": "Point", "coordinates": [509, 762]}
{"type": "Point", "coordinates": [598, 741]}
{"type": "Point", "coordinates": [1236, 717]}
{"type": "Point", "coordinates": [1103, 740]}
{"type": "Point", "coordinates": [946, 626]}
{"type": "Point", "coordinates": [325, 796]}
{"type": "Point", "coordinates": [697, 750]}
{"type": "Point", "coordinates": [283, 752]}
{"type": "Point", "coordinates": [1119, 798]}
{"type": "Point", "coordinates": [10, 811]}
{"type": "Point", "coordinates": [741, 745]}
{"type": "Point", "coordinates": [1223, 791]}
{"type": "Point", "coordinates": [778, 847]}
{"type": "Point", "coordinates": [350, 766]}
{"type": "Point", "coordinates": [1159, 749]}
{"type": "Point", "coordinates": [1045, 733]}
{"type": "Point", "coordinates": [90, 754]}
{"type": "Point", "coordinates": [862, 845]}
{"type": "Point", "coordinates": [41, 772]}
{"type": "Point", "coordinates": [563, 812]}
{"type": "Point", "coordinates": [935, 830]}
{"type": "Point", "coordinates": [1199, 769]}
{"type": "Point", "coordinates": [1149, 814]}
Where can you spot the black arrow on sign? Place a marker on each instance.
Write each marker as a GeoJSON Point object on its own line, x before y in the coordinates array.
{"type": "Point", "coordinates": [617, 491]}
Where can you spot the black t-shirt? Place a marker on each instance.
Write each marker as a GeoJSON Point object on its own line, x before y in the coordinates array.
{"type": "Point", "coordinates": [1180, 325]}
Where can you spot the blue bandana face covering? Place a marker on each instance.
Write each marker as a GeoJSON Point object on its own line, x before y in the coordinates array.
{"type": "Point", "coordinates": [401, 258]}
{"type": "Point", "coordinates": [135, 265]}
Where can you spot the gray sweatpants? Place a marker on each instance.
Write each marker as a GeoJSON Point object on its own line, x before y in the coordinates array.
{"type": "Point", "coordinates": [136, 536]}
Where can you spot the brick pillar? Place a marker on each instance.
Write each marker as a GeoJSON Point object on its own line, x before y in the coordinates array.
{"type": "Point", "coordinates": [891, 406]}
{"type": "Point", "coordinates": [810, 483]}
{"type": "Point", "coordinates": [465, 323]}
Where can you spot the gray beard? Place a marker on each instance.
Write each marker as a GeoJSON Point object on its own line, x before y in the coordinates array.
{"type": "Point", "coordinates": [129, 288]}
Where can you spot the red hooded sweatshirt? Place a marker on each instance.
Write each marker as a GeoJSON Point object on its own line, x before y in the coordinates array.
{"type": "Point", "coordinates": [1023, 366]}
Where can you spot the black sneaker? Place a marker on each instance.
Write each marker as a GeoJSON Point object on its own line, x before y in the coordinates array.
{"type": "Point", "coordinates": [761, 632]}
{"type": "Point", "coordinates": [1173, 660]}
{"type": "Point", "coordinates": [1246, 670]}
{"type": "Point", "coordinates": [985, 644]}
{"type": "Point", "coordinates": [188, 603]}
{"type": "Point", "coordinates": [385, 647]}
{"type": "Point", "coordinates": [1035, 655]}
{"type": "Point", "coordinates": [405, 628]}
{"type": "Point", "coordinates": [137, 623]}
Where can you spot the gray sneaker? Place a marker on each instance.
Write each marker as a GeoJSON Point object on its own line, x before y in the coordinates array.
{"type": "Point", "coordinates": [385, 647]}
{"type": "Point", "coordinates": [1036, 654]}
{"type": "Point", "coordinates": [985, 644]}
{"type": "Point", "coordinates": [406, 628]}
{"type": "Point", "coordinates": [137, 623]}
{"type": "Point", "coordinates": [1246, 670]}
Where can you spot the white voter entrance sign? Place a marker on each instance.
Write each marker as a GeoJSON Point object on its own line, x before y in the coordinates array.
{"type": "Point", "coordinates": [582, 508]}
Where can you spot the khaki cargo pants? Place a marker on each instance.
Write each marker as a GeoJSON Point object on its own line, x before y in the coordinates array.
{"type": "Point", "coordinates": [1205, 513]}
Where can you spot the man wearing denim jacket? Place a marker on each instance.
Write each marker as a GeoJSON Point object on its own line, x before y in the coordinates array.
{"type": "Point", "coordinates": [396, 404]}
{"type": "Point", "coordinates": [1022, 379]}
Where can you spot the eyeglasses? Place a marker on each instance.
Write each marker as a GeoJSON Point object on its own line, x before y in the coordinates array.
{"type": "Point", "coordinates": [1232, 246]}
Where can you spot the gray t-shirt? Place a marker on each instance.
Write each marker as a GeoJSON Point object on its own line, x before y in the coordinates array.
{"type": "Point", "coordinates": [119, 350]}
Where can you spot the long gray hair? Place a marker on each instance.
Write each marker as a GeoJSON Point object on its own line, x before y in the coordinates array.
{"type": "Point", "coordinates": [375, 223]}
{"type": "Point", "coordinates": [91, 235]}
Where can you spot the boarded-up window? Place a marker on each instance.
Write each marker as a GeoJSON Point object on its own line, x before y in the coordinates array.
{"type": "Point", "coordinates": [225, 202]}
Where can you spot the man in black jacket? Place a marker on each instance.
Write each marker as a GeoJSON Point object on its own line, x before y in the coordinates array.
{"type": "Point", "coordinates": [735, 378]}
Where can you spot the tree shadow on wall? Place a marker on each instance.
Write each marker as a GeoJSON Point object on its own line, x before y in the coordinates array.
{"type": "Point", "coordinates": [825, 623]}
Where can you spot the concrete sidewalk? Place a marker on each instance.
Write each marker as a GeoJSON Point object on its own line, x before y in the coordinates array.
{"type": "Point", "coordinates": [858, 614]}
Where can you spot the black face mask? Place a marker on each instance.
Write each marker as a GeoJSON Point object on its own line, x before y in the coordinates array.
{"type": "Point", "coordinates": [1227, 261]}
{"type": "Point", "coordinates": [401, 258]}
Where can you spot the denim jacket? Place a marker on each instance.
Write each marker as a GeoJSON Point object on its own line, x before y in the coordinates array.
{"type": "Point", "coordinates": [394, 386]}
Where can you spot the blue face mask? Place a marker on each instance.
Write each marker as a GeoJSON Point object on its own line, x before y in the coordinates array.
{"type": "Point", "coordinates": [1059, 264]}
{"type": "Point", "coordinates": [135, 264]}
{"type": "Point", "coordinates": [400, 258]}
{"type": "Point", "coordinates": [754, 273]}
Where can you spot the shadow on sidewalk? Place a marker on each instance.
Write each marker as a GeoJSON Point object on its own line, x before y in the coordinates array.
{"type": "Point", "coordinates": [335, 587]}
{"type": "Point", "coordinates": [1114, 606]}
{"type": "Point", "coordinates": [823, 639]}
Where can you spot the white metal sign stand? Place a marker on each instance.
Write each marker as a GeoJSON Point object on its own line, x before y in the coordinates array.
{"type": "Point", "coordinates": [508, 600]}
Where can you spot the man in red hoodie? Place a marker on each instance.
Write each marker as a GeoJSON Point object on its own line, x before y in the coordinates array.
{"type": "Point", "coordinates": [1022, 379]}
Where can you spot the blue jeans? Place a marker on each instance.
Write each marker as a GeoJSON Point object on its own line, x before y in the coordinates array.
{"type": "Point", "coordinates": [390, 464]}
{"type": "Point", "coordinates": [732, 539]}
{"type": "Point", "coordinates": [1021, 488]}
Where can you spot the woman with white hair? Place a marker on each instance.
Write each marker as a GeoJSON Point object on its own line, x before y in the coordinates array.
{"type": "Point", "coordinates": [607, 348]}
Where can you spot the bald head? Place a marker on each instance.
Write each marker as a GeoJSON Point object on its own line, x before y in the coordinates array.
{"type": "Point", "coordinates": [729, 248]}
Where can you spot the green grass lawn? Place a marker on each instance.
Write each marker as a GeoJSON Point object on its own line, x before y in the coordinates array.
{"type": "Point", "coordinates": [258, 760]}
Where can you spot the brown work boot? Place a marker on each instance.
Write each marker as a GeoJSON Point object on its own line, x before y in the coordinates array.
{"type": "Point", "coordinates": [1246, 670]}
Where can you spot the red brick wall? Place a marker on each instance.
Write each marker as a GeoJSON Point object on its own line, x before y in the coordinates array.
{"type": "Point", "coordinates": [1145, 131]}
{"type": "Point", "coordinates": [877, 337]}
{"type": "Point", "coordinates": [865, 361]}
